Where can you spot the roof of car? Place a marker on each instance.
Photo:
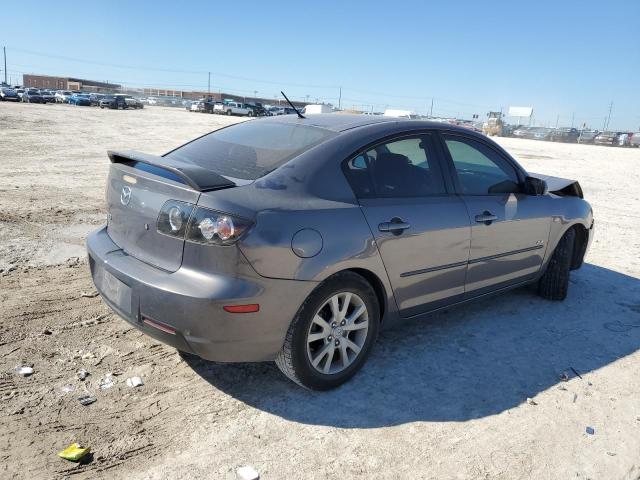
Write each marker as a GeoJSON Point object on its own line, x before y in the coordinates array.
{"type": "Point", "coordinates": [339, 122]}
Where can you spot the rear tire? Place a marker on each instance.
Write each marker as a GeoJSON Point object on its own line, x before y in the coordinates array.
{"type": "Point", "coordinates": [351, 332]}
{"type": "Point", "coordinates": [554, 284]}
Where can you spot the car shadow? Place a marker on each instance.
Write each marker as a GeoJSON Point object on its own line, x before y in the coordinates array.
{"type": "Point", "coordinates": [467, 362]}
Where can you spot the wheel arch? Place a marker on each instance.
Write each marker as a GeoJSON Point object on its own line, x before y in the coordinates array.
{"type": "Point", "coordinates": [580, 245]}
{"type": "Point", "coordinates": [376, 284]}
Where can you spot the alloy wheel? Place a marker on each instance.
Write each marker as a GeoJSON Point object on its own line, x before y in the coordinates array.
{"type": "Point", "coordinates": [337, 333]}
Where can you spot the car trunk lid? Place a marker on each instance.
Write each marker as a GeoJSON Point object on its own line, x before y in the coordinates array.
{"type": "Point", "coordinates": [138, 186]}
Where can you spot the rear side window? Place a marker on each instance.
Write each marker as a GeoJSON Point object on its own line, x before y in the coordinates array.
{"type": "Point", "coordinates": [400, 168]}
{"type": "Point", "coordinates": [251, 149]}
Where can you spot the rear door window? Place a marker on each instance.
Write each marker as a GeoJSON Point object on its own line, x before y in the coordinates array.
{"type": "Point", "coordinates": [405, 167]}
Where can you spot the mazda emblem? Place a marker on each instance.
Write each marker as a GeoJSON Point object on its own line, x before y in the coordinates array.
{"type": "Point", "coordinates": [125, 196]}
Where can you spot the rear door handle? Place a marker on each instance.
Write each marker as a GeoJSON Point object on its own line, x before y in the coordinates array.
{"type": "Point", "coordinates": [395, 226]}
{"type": "Point", "coordinates": [486, 218]}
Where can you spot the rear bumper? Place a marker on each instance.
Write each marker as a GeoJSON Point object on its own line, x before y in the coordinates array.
{"type": "Point", "coordinates": [191, 302]}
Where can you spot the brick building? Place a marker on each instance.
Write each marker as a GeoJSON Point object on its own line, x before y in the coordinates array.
{"type": "Point", "coordinates": [67, 83]}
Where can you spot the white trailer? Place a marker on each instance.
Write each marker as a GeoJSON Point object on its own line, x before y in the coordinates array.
{"type": "Point", "coordinates": [400, 113]}
{"type": "Point", "coordinates": [311, 109]}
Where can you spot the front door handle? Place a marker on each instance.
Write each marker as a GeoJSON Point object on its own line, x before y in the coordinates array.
{"type": "Point", "coordinates": [486, 217]}
{"type": "Point", "coordinates": [395, 226]}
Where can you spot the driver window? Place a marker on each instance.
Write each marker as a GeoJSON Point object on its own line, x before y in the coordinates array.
{"type": "Point", "coordinates": [481, 171]}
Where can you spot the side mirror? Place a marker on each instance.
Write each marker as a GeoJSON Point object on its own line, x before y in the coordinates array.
{"type": "Point", "coordinates": [534, 186]}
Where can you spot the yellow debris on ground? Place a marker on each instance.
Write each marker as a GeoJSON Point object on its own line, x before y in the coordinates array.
{"type": "Point", "coordinates": [74, 452]}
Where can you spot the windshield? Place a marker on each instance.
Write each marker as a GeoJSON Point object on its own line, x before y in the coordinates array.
{"type": "Point", "coordinates": [252, 149]}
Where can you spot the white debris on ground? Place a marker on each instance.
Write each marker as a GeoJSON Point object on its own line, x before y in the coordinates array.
{"type": "Point", "coordinates": [134, 382]}
{"type": "Point", "coordinates": [247, 473]}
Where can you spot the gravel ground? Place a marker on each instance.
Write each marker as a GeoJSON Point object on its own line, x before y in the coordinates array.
{"type": "Point", "coordinates": [444, 397]}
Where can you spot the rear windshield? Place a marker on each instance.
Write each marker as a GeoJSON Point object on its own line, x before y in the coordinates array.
{"type": "Point", "coordinates": [251, 149]}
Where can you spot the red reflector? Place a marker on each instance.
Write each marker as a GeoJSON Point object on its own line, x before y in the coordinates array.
{"type": "Point", "coordinates": [254, 307]}
{"type": "Point", "coordinates": [159, 326]}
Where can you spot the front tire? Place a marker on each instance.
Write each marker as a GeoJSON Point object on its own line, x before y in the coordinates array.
{"type": "Point", "coordinates": [554, 284]}
{"type": "Point", "coordinates": [332, 334]}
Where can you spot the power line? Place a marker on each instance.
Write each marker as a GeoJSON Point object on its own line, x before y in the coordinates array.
{"type": "Point", "coordinates": [167, 70]}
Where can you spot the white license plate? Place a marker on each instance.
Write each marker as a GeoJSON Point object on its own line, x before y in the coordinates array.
{"type": "Point", "coordinates": [114, 290]}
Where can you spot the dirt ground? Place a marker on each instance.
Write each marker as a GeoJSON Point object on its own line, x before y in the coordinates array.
{"type": "Point", "coordinates": [440, 398]}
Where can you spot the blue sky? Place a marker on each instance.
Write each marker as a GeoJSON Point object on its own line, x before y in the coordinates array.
{"type": "Point", "coordinates": [563, 58]}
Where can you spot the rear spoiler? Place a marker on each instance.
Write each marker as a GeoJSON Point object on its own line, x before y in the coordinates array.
{"type": "Point", "coordinates": [196, 177]}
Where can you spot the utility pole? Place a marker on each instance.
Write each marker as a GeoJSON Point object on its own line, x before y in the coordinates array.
{"type": "Point", "coordinates": [431, 110]}
{"type": "Point", "coordinates": [557, 120]}
{"type": "Point", "coordinates": [573, 116]}
{"type": "Point", "coordinates": [4, 50]}
{"type": "Point", "coordinates": [340, 98]}
{"type": "Point", "coordinates": [608, 116]}
{"type": "Point", "coordinates": [209, 84]}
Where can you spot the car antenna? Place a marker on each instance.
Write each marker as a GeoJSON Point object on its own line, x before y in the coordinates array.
{"type": "Point", "coordinates": [289, 102]}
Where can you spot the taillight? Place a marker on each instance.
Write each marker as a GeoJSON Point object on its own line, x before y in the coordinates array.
{"type": "Point", "coordinates": [200, 225]}
{"type": "Point", "coordinates": [173, 218]}
{"type": "Point", "coordinates": [215, 228]}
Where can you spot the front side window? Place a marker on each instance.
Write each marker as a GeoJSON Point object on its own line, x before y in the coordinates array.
{"type": "Point", "coordinates": [481, 170]}
{"type": "Point", "coordinates": [400, 168]}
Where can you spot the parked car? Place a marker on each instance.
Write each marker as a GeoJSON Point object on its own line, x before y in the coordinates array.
{"type": "Point", "coordinates": [8, 95]}
{"type": "Point", "coordinates": [624, 139]}
{"type": "Point", "coordinates": [541, 133]}
{"type": "Point", "coordinates": [565, 135]}
{"type": "Point", "coordinates": [120, 101]}
{"type": "Point", "coordinates": [277, 111]}
{"type": "Point", "coordinates": [197, 106]}
{"type": "Point", "coordinates": [257, 108]}
{"type": "Point", "coordinates": [169, 101]}
{"type": "Point", "coordinates": [20, 92]}
{"type": "Point", "coordinates": [80, 99]}
{"type": "Point", "coordinates": [587, 136]}
{"type": "Point", "coordinates": [62, 96]}
{"type": "Point", "coordinates": [48, 96]}
{"type": "Point", "coordinates": [607, 138]}
{"type": "Point", "coordinates": [95, 98]}
{"type": "Point", "coordinates": [232, 108]}
{"type": "Point", "coordinates": [133, 102]}
{"type": "Point", "coordinates": [32, 95]}
{"type": "Point", "coordinates": [523, 132]}
{"type": "Point", "coordinates": [152, 100]}
{"type": "Point", "coordinates": [635, 140]}
{"type": "Point", "coordinates": [507, 130]}
{"type": "Point", "coordinates": [296, 240]}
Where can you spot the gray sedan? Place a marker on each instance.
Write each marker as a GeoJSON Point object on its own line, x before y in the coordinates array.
{"type": "Point", "coordinates": [297, 239]}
